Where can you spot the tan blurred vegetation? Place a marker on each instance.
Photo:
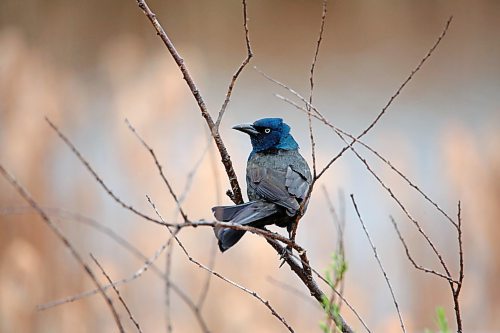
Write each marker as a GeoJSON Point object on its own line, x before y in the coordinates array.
{"type": "Point", "coordinates": [88, 65]}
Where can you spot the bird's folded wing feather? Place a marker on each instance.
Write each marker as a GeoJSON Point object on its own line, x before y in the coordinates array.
{"type": "Point", "coordinates": [296, 183]}
{"type": "Point", "coordinates": [268, 184]}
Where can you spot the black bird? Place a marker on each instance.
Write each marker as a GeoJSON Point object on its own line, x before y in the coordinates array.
{"type": "Point", "coordinates": [278, 180]}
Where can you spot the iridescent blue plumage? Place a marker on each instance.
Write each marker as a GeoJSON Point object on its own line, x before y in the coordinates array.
{"type": "Point", "coordinates": [278, 179]}
{"type": "Point", "coordinates": [279, 136]}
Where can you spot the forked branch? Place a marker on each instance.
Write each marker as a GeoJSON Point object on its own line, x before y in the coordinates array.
{"type": "Point", "coordinates": [236, 195]}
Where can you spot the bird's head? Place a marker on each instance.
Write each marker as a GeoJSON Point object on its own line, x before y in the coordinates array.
{"type": "Point", "coordinates": [269, 133]}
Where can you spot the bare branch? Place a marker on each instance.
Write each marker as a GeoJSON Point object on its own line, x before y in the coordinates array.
{"type": "Point", "coordinates": [295, 223]}
{"type": "Point", "coordinates": [456, 289]}
{"type": "Point", "coordinates": [291, 289]}
{"type": "Point", "coordinates": [96, 176]}
{"type": "Point", "coordinates": [126, 245]}
{"type": "Point", "coordinates": [29, 199]}
{"type": "Point", "coordinates": [384, 109]}
{"type": "Point", "coordinates": [339, 281]}
{"type": "Point", "coordinates": [160, 169]}
{"type": "Point", "coordinates": [248, 291]}
{"type": "Point", "coordinates": [338, 221]}
{"type": "Point", "coordinates": [311, 83]}
{"type": "Point", "coordinates": [389, 190]}
{"type": "Point", "coordinates": [134, 276]}
{"type": "Point", "coordinates": [410, 258]}
{"type": "Point", "coordinates": [318, 115]}
{"type": "Point", "coordinates": [301, 268]}
{"type": "Point", "coordinates": [396, 94]}
{"type": "Point", "coordinates": [206, 286]}
{"type": "Point", "coordinates": [240, 69]}
{"type": "Point", "coordinates": [215, 173]}
{"type": "Point", "coordinates": [118, 294]}
{"type": "Point", "coordinates": [168, 268]}
{"type": "Point", "coordinates": [226, 160]}
{"type": "Point", "coordinates": [379, 263]}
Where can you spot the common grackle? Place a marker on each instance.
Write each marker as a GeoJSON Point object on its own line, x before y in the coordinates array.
{"type": "Point", "coordinates": [278, 179]}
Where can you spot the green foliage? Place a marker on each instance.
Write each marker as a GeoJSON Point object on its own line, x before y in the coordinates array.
{"type": "Point", "coordinates": [336, 269]}
{"type": "Point", "coordinates": [333, 275]}
{"type": "Point", "coordinates": [331, 310]}
{"type": "Point", "coordinates": [441, 321]}
{"type": "Point", "coordinates": [324, 327]}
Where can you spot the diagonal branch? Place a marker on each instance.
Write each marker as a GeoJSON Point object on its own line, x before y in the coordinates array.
{"type": "Point", "coordinates": [96, 176]}
{"type": "Point", "coordinates": [160, 169]}
{"type": "Point", "coordinates": [388, 189]}
{"type": "Point", "coordinates": [456, 289]}
{"type": "Point", "coordinates": [117, 293]}
{"type": "Point", "coordinates": [379, 263]}
{"type": "Point", "coordinates": [318, 115]}
{"type": "Point", "coordinates": [240, 69]}
{"type": "Point", "coordinates": [394, 96]}
{"type": "Point", "coordinates": [384, 109]}
{"type": "Point", "coordinates": [302, 268]}
{"type": "Point", "coordinates": [295, 223]}
{"type": "Point", "coordinates": [236, 195]}
{"type": "Point", "coordinates": [410, 258]}
{"type": "Point", "coordinates": [311, 84]}
{"type": "Point", "coordinates": [29, 199]}
{"type": "Point", "coordinates": [66, 215]}
{"type": "Point", "coordinates": [134, 276]}
{"type": "Point", "coordinates": [248, 291]}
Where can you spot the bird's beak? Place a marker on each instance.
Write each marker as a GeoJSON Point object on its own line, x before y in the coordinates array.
{"type": "Point", "coordinates": [246, 128]}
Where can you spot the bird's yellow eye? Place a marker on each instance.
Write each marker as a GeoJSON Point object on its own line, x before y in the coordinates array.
{"type": "Point", "coordinates": [267, 130]}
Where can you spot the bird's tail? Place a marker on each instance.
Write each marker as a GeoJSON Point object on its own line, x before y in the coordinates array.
{"type": "Point", "coordinates": [251, 213]}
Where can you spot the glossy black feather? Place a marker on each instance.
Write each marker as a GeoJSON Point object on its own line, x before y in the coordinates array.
{"type": "Point", "coordinates": [278, 180]}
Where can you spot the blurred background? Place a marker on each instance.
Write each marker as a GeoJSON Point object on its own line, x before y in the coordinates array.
{"type": "Point", "coordinates": [88, 65]}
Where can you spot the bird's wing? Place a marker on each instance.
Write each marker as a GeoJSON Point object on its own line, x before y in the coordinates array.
{"type": "Point", "coordinates": [297, 183]}
{"type": "Point", "coordinates": [268, 184]}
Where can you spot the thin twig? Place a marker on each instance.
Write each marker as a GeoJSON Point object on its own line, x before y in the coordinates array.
{"type": "Point", "coordinates": [318, 115]}
{"type": "Point", "coordinates": [338, 221]}
{"type": "Point", "coordinates": [125, 244]}
{"type": "Point", "coordinates": [117, 293]}
{"type": "Point", "coordinates": [236, 191]}
{"type": "Point", "coordinates": [387, 105]}
{"type": "Point", "coordinates": [301, 267]}
{"type": "Point", "coordinates": [295, 223]}
{"type": "Point", "coordinates": [379, 263]}
{"type": "Point", "coordinates": [215, 173]}
{"type": "Point", "coordinates": [180, 210]}
{"type": "Point", "coordinates": [134, 276]}
{"type": "Point", "coordinates": [410, 258]}
{"type": "Point", "coordinates": [226, 160]}
{"type": "Point", "coordinates": [160, 169]}
{"type": "Point", "coordinates": [456, 289]}
{"type": "Point", "coordinates": [291, 289]}
{"type": "Point", "coordinates": [213, 251]}
{"type": "Point", "coordinates": [192, 173]}
{"type": "Point", "coordinates": [29, 199]}
{"type": "Point", "coordinates": [396, 94]}
{"type": "Point", "coordinates": [168, 270]}
{"type": "Point", "coordinates": [248, 291]}
{"type": "Point", "coordinates": [96, 176]}
{"type": "Point", "coordinates": [389, 191]}
{"type": "Point", "coordinates": [206, 286]}
{"type": "Point", "coordinates": [311, 82]}
{"type": "Point", "coordinates": [339, 281]}
{"type": "Point", "coordinates": [240, 69]}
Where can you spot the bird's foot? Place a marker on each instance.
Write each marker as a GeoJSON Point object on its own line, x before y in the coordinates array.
{"type": "Point", "coordinates": [287, 251]}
